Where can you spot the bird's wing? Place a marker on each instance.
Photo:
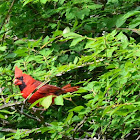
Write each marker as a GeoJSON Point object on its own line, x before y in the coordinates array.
{"type": "Point", "coordinates": [50, 89]}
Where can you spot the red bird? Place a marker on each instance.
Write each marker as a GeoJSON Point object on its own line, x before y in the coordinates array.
{"type": "Point", "coordinates": [27, 85]}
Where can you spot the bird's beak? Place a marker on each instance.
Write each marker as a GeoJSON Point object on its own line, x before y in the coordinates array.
{"type": "Point", "coordinates": [17, 82]}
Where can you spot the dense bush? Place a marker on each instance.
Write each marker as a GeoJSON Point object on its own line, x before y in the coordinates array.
{"type": "Point", "coordinates": [89, 43]}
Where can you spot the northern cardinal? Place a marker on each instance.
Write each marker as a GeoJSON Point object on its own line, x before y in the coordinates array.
{"type": "Point", "coordinates": [27, 85]}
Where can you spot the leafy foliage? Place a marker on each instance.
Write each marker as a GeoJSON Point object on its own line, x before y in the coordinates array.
{"type": "Point", "coordinates": [92, 44]}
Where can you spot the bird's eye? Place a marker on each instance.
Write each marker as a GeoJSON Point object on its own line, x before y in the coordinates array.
{"type": "Point", "coordinates": [20, 78]}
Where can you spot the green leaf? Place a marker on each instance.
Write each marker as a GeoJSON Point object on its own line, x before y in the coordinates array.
{"type": "Point", "coordinates": [134, 23]}
{"type": "Point", "coordinates": [2, 117]}
{"type": "Point", "coordinates": [88, 96]}
{"type": "Point", "coordinates": [121, 36]}
{"type": "Point", "coordinates": [26, 2]}
{"type": "Point", "coordinates": [7, 112]}
{"type": "Point", "coordinates": [47, 101]}
{"type": "Point", "coordinates": [9, 97]}
{"type": "Point", "coordinates": [46, 40]}
{"type": "Point", "coordinates": [81, 90]}
{"type": "Point", "coordinates": [137, 53]}
{"type": "Point", "coordinates": [36, 102]}
{"type": "Point", "coordinates": [43, 1]}
{"type": "Point", "coordinates": [70, 95]}
{"type": "Point", "coordinates": [82, 13]}
{"type": "Point", "coordinates": [18, 42]}
{"type": "Point", "coordinates": [3, 48]}
{"type": "Point", "coordinates": [68, 119]}
{"type": "Point", "coordinates": [11, 55]}
{"type": "Point", "coordinates": [45, 52]}
{"type": "Point", "coordinates": [95, 6]}
{"type": "Point", "coordinates": [76, 41]}
{"type": "Point", "coordinates": [21, 51]}
{"type": "Point", "coordinates": [71, 34]}
{"type": "Point", "coordinates": [95, 127]}
{"type": "Point", "coordinates": [110, 51]}
{"type": "Point", "coordinates": [123, 18]}
{"type": "Point", "coordinates": [112, 1]}
{"type": "Point", "coordinates": [66, 30]}
{"type": "Point", "coordinates": [85, 111]}
{"type": "Point", "coordinates": [115, 109]}
{"type": "Point", "coordinates": [59, 100]}
{"type": "Point", "coordinates": [61, 1]}
{"type": "Point", "coordinates": [122, 112]}
{"type": "Point", "coordinates": [77, 109]}
{"type": "Point", "coordinates": [75, 60]}
{"type": "Point", "coordinates": [106, 110]}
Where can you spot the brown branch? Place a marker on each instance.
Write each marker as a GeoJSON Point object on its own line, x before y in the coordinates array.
{"type": "Point", "coordinates": [10, 104]}
{"type": "Point", "coordinates": [29, 116]}
{"type": "Point", "coordinates": [133, 30]}
{"type": "Point", "coordinates": [35, 118]}
{"type": "Point", "coordinates": [50, 41]}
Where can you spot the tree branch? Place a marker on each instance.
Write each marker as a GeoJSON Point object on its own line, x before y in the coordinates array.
{"type": "Point", "coordinates": [10, 104]}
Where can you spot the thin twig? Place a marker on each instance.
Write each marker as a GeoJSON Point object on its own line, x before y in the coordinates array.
{"type": "Point", "coordinates": [29, 116]}
{"type": "Point", "coordinates": [10, 104]}
{"type": "Point", "coordinates": [138, 138]}
{"type": "Point", "coordinates": [49, 42]}
{"type": "Point", "coordinates": [133, 30]}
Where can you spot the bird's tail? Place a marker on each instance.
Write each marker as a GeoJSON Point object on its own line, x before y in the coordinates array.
{"type": "Point", "coordinates": [69, 88]}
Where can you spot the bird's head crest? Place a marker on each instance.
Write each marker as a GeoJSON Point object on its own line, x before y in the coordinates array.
{"type": "Point", "coordinates": [18, 72]}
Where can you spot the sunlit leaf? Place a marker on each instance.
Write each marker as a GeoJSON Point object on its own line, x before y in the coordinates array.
{"type": "Point", "coordinates": [71, 34]}
{"type": "Point", "coordinates": [47, 101]}
{"type": "Point", "coordinates": [36, 102]}
{"type": "Point", "coordinates": [43, 1]}
{"type": "Point", "coordinates": [66, 30]}
{"type": "Point", "coordinates": [77, 109]}
{"type": "Point", "coordinates": [7, 112]}
{"type": "Point", "coordinates": [59, 100]}
{"type": "Point", "coordinates": [3, 48]}
{"type": "Point", "coordinates": [76, 41]}
{"type": "Point", "coordinates": [2, 116]}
